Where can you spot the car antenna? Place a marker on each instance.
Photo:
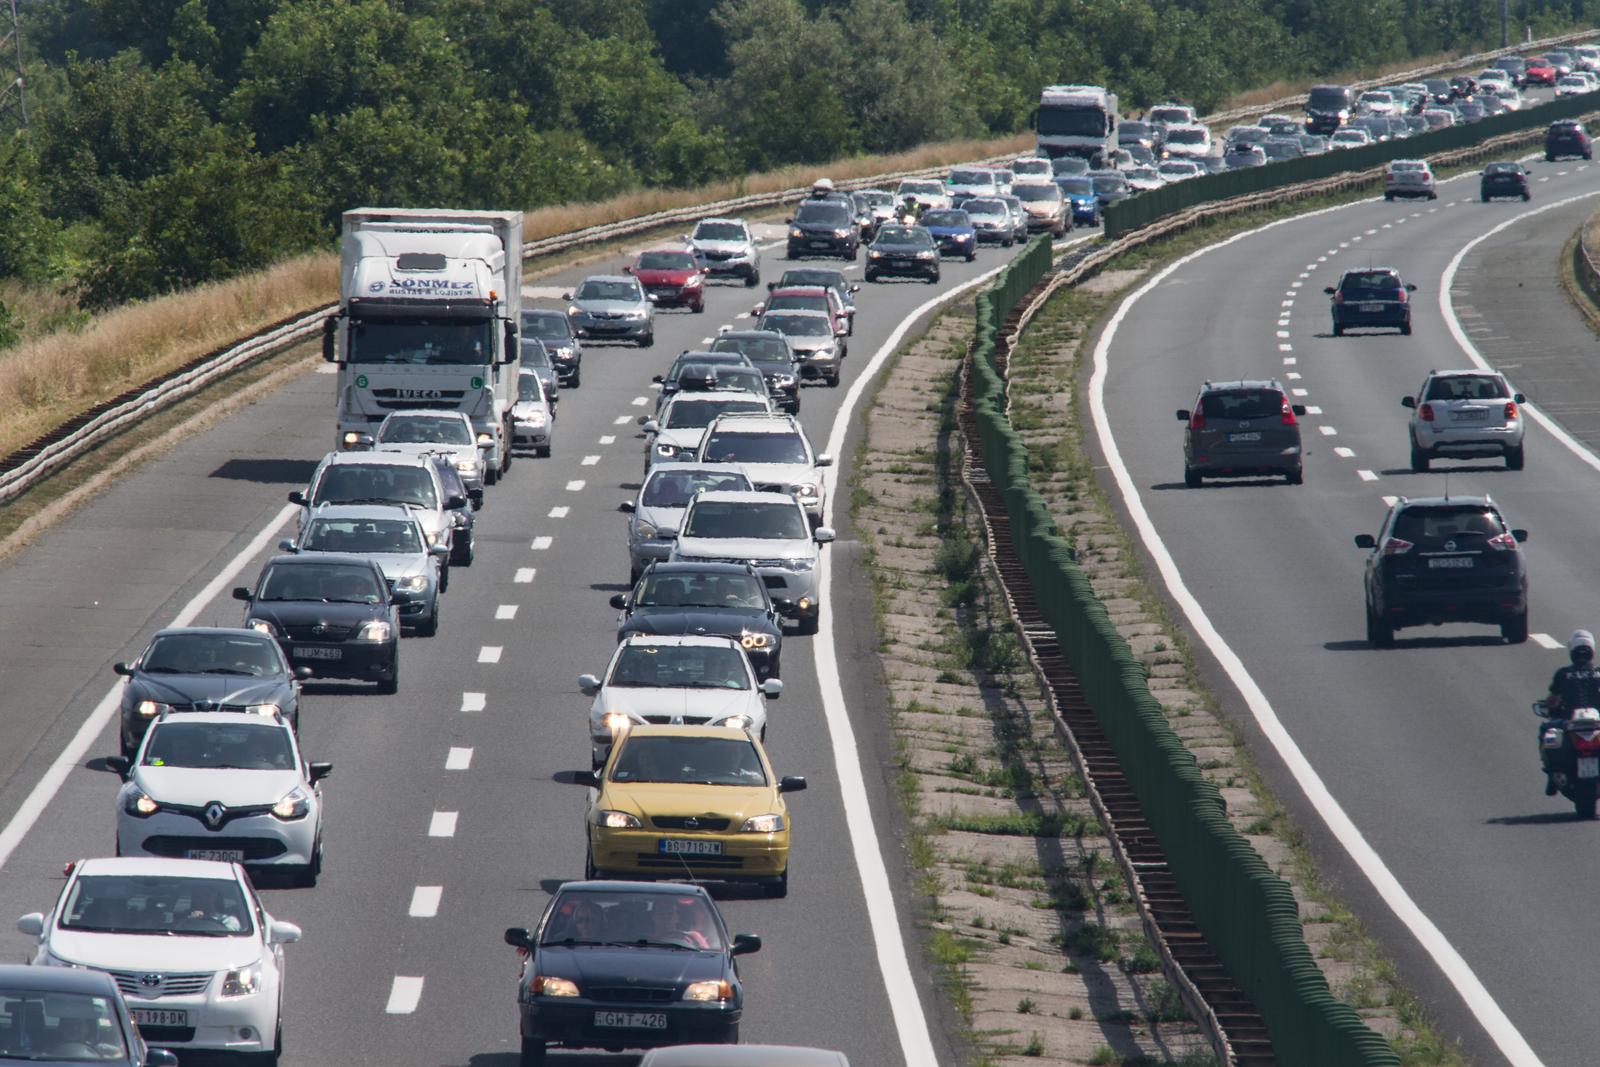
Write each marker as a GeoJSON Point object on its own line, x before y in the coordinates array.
{"type": "Point", "coordinates": [1447, 485]}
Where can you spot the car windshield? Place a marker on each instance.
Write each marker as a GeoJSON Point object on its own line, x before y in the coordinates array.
{"type": "Point", "coordinates": [799, 302]}
{"type": "Point", "coordinates": [1328, 99]}
{"type": "Point", "coordinates": [1187, 135]}
{"type": "Point", "coordinates": [826, 279]}
{"type": "Point", "coordinates": [61, 1027]}
{"type": "Point", "coordinates": [1402, 165]}
{"type": "Point", "coordinates": [1069, 165]}
{"type": "Point", "coordinates": [1037, 192]}
{"type": "Point", "coordinates": [1503, 168]}
{"type": "Point", "coordinates": [697, 414]}
{"type": "Point", "coordinates": [1242, 404]}
{"type": "Point", "coordinates": [535, 354]}
{"type": "Point", "coordinates": [726, 446]}
{"type": "Point", "coordinates": [798, 325]}
{"type": "Point", "coordinates": [666, 261]}
{"type": "Point", "coordinates": [1109, 183]}
{"type": "Point", "coordinates": [904, 237]}
{"type": "Point", "coordinates": [971, 177]}
{"type": "Point", "coordinates": [398, 536]}
{"type": "Point", "coordinates": [680, 667]}
{"type": "Point", "coordinates": [376, 483]}
{"type": "Point", "coordinates": [425, 430]}
{"type": "Point", "coordinates": [758, 349]}
{"type": "Point", "coordinates": [920, 189]}
{"type": "Point", "coordinates": [529, 388]}
{"type": "Point", "coordinates": [1133, 130]}
{"type": "Point", "coordinates": [1168, 114]}
{"type": "Point", "coordinates": [1070, 121]}
{"type": "Point", "coordinates": [421, 341]}
{"type": "Point", "coordinates": [219, 746]}
{"type": "Point", "coordinates": [1468, 387]}
{"type": "Point", "coordinates": [1375, 283]}
{"type": "Point", "coordinates": [719, 231]}
{"type": "Point", "coordinates": [1426, 525]}
{"type": "Point", "coordinates": [631, 917]}
{"type": "Point", "coordinates": [211, 654]}
{"type": "Point", "coordinates": [696, 760]}
{"type": "Point", "coordinates": [157, 904]}
{"type": "Point", "coordinates": [318, 581]}
{"type": "Point", "coordinates": [609, 291]}
{"type": "Point", "coordinates": [780, 520]}
{"type": "Point", "coordinates": [680, 590]}
{"type": "Point", "coordinates": [1076, 186]}
{"type": "Point", "coordinates": [945, 218]}
{"type": "Point", "coordinates": [547, 326]}
{"type": "Point", "coordinates": [675, 488]}
{"type": "Point", "coordinates": [987, 209]}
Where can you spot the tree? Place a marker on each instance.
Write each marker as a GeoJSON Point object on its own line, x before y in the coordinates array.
{"type": "Point", "coordinates": [896, 82]}
{"type": "Point", "coordinates": [30, 241]}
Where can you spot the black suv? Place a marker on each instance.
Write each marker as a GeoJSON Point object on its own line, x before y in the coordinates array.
{"type": "Point", "coordinates": [823, 228]}
{"type": "Point", "coordinates": [903, 251]}
{"type": "Point", "coordinates": [1504, 179]}
{"type": "Point", "coordinates": [554, 328]}
{"type": "Point", "coordinates": [1372, 296]}
{"type": "Point", "coordinates": [1241, 428]}
{"type": "Point", "coordinates": [1445, 559]}
{"type": "Point", "coordinates": [1327, 107]}
{"type": "Point", "coordinates": [1566, 137]}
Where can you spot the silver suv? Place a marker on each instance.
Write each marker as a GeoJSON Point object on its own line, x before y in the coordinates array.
{"type": "Point", "coordinates": [658, 509]}
{"type": "Point", "coordinates": [769, 532]}
{"type": "Point", "coordinates": [725, 247]}
{"type": "Point", "coordinates": [676, 434]}
{"type": "Point", "coordinates": [384, 478]}
{"type": "Point", "coordinates": [1241, 428]}
{"type": "Point", "coordinates": [773, 452]}
{"type": "Point", "coordinates": [1459, 414]}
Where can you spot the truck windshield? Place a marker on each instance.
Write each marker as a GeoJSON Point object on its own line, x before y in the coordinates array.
{"type": "Point", "coordinates": [1084, 122]}
{"type": "Point", "coordinates": [422, 342]}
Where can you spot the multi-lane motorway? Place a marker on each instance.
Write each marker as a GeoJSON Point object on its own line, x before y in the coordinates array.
{"type": "Point", "coordinates": [1427, 748]}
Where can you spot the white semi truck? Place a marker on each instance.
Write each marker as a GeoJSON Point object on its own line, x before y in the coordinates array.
{"type": "Point", "coordinates": [429, 317]}
{"type": "Point", "coordinates": [1076, 120]}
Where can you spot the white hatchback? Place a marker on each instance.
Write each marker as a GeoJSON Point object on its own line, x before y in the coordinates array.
{"type": "Point", "coordinates": [193, 950]}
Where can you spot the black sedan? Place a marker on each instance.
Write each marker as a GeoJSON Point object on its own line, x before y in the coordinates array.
{"type": "Point", "coordinates": [720, 599]}
{"type": "Point", "coordinates": [903, 252]}
{"type": "Point", "coordinates": [770, 354]}
{"type": "Point", "coordinates": [329, 612]}
{"type": "Point", "coordinates": [1504, 179]}
{"type": "Point", "coordinates": [207, 669]}
{"type": "Point", "coordinates": [61, 1015]}
{"type": "Point", "coordinates": [621, 965]}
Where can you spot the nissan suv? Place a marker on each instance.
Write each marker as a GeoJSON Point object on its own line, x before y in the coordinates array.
{"type": "Point", "coordinates": [725, 248]}
{"type": "Point", "coordinates": [1445, 559]}
{"type": "Point", "coordinates": [822, 228]}
{"type": "Point", "coordinates": [1459, 414]}
{"type": "Point", "coordinates": [1241, 428]}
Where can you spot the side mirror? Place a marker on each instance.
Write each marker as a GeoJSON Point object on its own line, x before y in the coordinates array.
{"type": "Point", "coordinates": [1519, 398]}
{"type": "Point", "coordinates": [122, 668]}
{"type": "Point", "coordinates": [566, 296]}
{"type": "Point", "coordinates": [1538, 709]}
{"type": "Point", "coordinates": [121, 764]}
{"type": "Point", "coordinates": [591, 779]}
{"type": "Point", "coordinates": [771, 286]}
{"type": "Point", "coordinates": [1328, 289]}
{"type": "Point", "coordinates": [299, 497]}
{"type": "Point", "coordinates": [1411, 288]}
{"type": "Point", "coordinates": [650, 426]}
{"type": "Point", "coordinates": [666, 533]}
{"type": "Point", "coordinates": [789, 221]}
{"type": "Point", "coordinates": [1520, 536]}
{"type": "Point", "coordinates": [442, 551]}
{"type": "Point", "coordinates": [286, 545]}
{"type": "Point", "coordinates": [772, 688]}
{"type": "Point", "coordinates": [822, 535]}
{"type": "Point", "coordinates": [302, 673]}
{"type": "Point", "coordinates": [1298, 409]}
{"type": "Point", "coordinates": [626, 507]}
{"type": "Point", "coordinates": [330, 339]}
{"type": "Point", "coordinates": [31, 924]}
{"type": "Point", "coordinates": [1183, 414]}
{"type": "Point", "coordinates": [455, 500]}
{"type": "Point", "coordinates": [588, 684]}
{"type": "Point", "coordinates": [855, 288]}
{"type": "Point", "coordinates": [241, 593]}
{"type": "Point", "coordinates": [519, 937]}
{"type": "Point", "coordinates": [824, 460]}
{"type": "Point", "coordinates": [757, 311]}
{"type": "Point", "coordinates": [658, 379]}
{"type": "Point", "coordinates": [160, 1057]}
{"type": "Point", "coordinates": [792, 783]}
{"type": "Point", "coordinates": [619, 601]}
{"type": "Point", "coordinates": [627, 269]}
{"type": "Point", "coordinates": [319, 771]}
{"type": "Point", "coordinates": [651, 297]}
{"type": "Point", "coordinates": [745, 944]}
{"type": "Point", "coordinates": [1408, 402]}
{"type": "Point", "coordinates": [511, 350]}
{"type": "Point", "coordinates": [1366, 541]}
{"type": "Point", "coordinates": [282, 933]}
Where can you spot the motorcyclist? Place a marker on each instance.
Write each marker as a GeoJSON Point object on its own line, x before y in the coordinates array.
{"type": "Point", "coordinates": [1574, 686]}
{"type": "Point", "coordinates": [910, 210]}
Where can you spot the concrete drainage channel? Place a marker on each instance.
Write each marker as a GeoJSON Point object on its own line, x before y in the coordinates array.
{"type": "Point", "coordinates": [1237, 1032]}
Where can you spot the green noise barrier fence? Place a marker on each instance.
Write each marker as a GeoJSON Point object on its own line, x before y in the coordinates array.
{"type": "Point", "coordinates": [1245, 911]}
{"type": "Point", "coordinates": [1137, 211]}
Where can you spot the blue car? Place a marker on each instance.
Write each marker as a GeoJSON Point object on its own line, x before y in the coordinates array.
{"type": "Point", "coordinates": [952, 231]}
{"type": "Point", "coordinates": [1079, 193]}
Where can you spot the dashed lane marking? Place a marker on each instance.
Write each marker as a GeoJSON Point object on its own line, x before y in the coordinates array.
{"type": "Point", "coordinates": [575, 486]}
{"type": "Point", "coordinates": [443, 824]}
{"type": "Point", "coordinates": [1283, 333]}
{"type": "Point", "coordinates": [505, 612]}
{"type": "Point", "coordinates": [1390, 501]}
{"type": "Point", "coordinates": [560, 511]}
{"type": "Point", "coordinates": [1289, 303]}
{"type": "Point", "coordinates": [621, 420]}
{"type": "Point", "coordinates": [640, 401]}
{"type": "Point", "coordinates": [1288, 361]}
{"type": "Point", "coordinates": [1546, 641]}
{"type": "Point", "coordinates": [490, 653]}
{"type": "Point", "coordinates": [1371, 232]}
{"type": "Point", "coordinates": [474, 701]}
{"type": "Point", "coordinates": [524, 575]}
{"type": "Point", "coordinates": [541, 544]}
{"type": "Point", "coordinates": [425, 901]}
{"type": "Point", "coordinates": [328, 368]}
{"type": "Point", "coordinates": [608, 439]}
{"type": "Point", "coordinates": [1328, 431]}
{"type": "Point", "coordinates": [590, 461]}
{"type": "Point", "coordinates": [1298, 392]}
{"type": "Point", "coordinates": [1312, 409]}
{"type": "Point", "coordinates": [1293, 376]}
{"type": "Point", "coordinates": [1367, 476]}
{"type": "Point", "coordinates": [1286, 348]}
{"type": "Point", "coordinates": [1345, 453]}
{"type": "Point", "coordinates": [404, 995]}
{"type": "Point", "coordinates": [458, 759]}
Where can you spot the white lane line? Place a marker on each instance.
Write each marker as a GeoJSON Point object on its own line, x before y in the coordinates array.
{"type": "Point", "coordinates": [1356, 238]}
{"type": "Point", "coordinates": [1298, 392]}
{"type": "Point", "coordinates": [1306, 273]}
{"type": "Point", "coordinates": [1456, 969]}
{"type": "Point", "coordinates": [1328, 431]}
{"type": "Point", "coordinates": [1296, 285]}
{"type": "Point", "coordinates": [425, 901]}
{"type": "Point", "coordinates": [1324, 259]}
{"type": "Point", "coordinates": [589, 461]}
{"type": "Point", "coordinates": [608, 439]}
{"type": "Point", "coordinates": [1293, 376]}
{"type": "Point", "coordinates": [1344, 453]}
{"type": "Point", "coordinates": [1288, 361]}
{"type": "Point", "coordinates": [1390, 501]}
{"type": "Point", "coordinates": [524, 575]}
{"type": "Point", "coordinates": [458, 759]}
{"type": "Point", "coordinates": [621, 420]}
{"type": "Point", "coordinates": [505, 612]}
{"type": "Point", "coordinates": [474, 701]}
{"type": "Point", "coordinates": [1367, 476]}
{"type": "Point", "coordinates": [1312, 409]}
{"type": "Point", "coordinates": [705, 342]}
{"type": "Point", "coordinates": [490, 653]}
{"type": "Point", "coordinates": [443, 824]}
{"type": "Point", "coordinates": [328, 368]}
{"type": "Point", "coordinates": [575, 486]}
{"type": "Point", "coordinates": [404, 995]}
{"type": "Point", "coordinates": [1561, 173]}
{"type": "Point", "coordinates": [1546, 641]}
{"type": "Point", "coordinates": [541, 544]}
{"type": "Point", "coordinates": [1371, 232]}
{"type": "Point", "coordinates": [559, 511]}
{"type": "Point", "coordinates": [640, 401]}
{"type": "Point", "coordinates": [1283, 333]}
{"type": "Point", "coordinates": [1287, 303]}
{"type": "Point", "coordinates": [1390, 225]}
{"type": "Point", "coordinates": [38, 799]}
{"type": "Point", "coordinates": [1284, 321]}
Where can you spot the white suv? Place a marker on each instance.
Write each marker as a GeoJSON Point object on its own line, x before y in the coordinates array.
{"type": "Point", "coordinates": [774, 454]}
{"type": "Point", "coordinates": [725, 247]}
{"type": "Point", "coordinates": [1458, 414]}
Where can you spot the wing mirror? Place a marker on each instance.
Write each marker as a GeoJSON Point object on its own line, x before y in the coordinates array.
{"type": "Point", "coordinates": [1519, 398]}
{"type": "Point", "coordinates": [1183, 414]}
{"type": "Point", "coordinates": [588, 684]}
{"type": "Point", "coordinates": [31, 924]}
{"type": "Point", "coordinates": [650, 426]}
{"type": "Point", "coordinates": [627, 269]}
{"type": "Point", "coordinates": [1328, 289]}
{"type": "Point", "coordinates": [241, 593]}
{"type": "Point", "coordinates": [619, 601]}
{"type": "Point", "coordinates": [758, 310]}
{"type": "Point", "coordinates": [330, 342]}
{"type": "Point", "coordinates": [772, 688]}
{"type": "Point", "coordinates": [1520, 536]}
{"type": "Point", "coordinates": [855, 288]}
{"type": "Point", "coordinates": [824, 460]}
{"type": "Point", "coordinates": [299, 497]}
{"type": "Point", "coordinates": [1540, 710]}
{"type": "Point", "coordinates": [286, 545]}
{"type": "Point", "coordinates": [1408, 402]}
{"type": "Point", "coordinates": [771, 286]}
{"type": "Point", "coordinates": [122, 668]}
{"type": "Point", "coordinates": [282, 933]}
{"type": "Point", "coordinates": [792, 783]}
{"type": "Point", "coordinates": [519, 937]}
{"type": "Point", "coordinates": [1298, 409]}
{"type": "Point", "coordinates": [454, 501]}
{"type": "Point", "coordinates": [566, 296]}
{"type": "Point", "coordinates": [652, 297]}
{"type": "Point", "coordinates": [589, 779]}
{"type": "Point", "coordinates": [121, 764]}
{"type": "Point", "coordinates": [627, 507]}
{"type": "Point", "coordinates": [744, 944]}
{"type": "Point", "coordinates": [822, 535]}
{"type": "Point", "coordinates": [319, 771]}
{"type": "Point", "coordinates": [442, 551]}
{"type": "Point", "coordinates": [1411, 288]}
{"type": "Point", "coordinates": [302, 673]}
{"type": "Point", "coordinates": [1366, 541]}
{"type": "Point", "coordinates": [160, 1057]}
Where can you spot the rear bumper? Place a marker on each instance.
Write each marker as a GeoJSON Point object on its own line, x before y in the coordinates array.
{"type": "Point", "coordinates": [571, 1022]}
{"type": "Point", "coordinates": [1423, 607]}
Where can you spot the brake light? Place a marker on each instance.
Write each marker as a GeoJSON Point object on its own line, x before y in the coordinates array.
{"type": "Point", "coordinates": [1401, 295]}
{"type": "Point", "coordinates": [1503, 542]}
{"type": "Point", "coordinates": [1197, 420]}
{"type": "Point", "coordinates": [1288, 414]}
{"type": "Point", "coordinates": [1511, 410]}
{"type": "Point", "coordinates": [1338, 296]}
{"type": "Point", "coordinates": [1425, 413]}
{"type": "Point", "coordinates": [1396, 547]}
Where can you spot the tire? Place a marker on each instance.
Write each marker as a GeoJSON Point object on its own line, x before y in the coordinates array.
{"type": "Point", "coordinates": [1548, 158]}
{"type": "Point", "coordinates": [1485, 198]}
{"type": "Point", "coordinates": [832, 380]}
{"type": "Point", "coordinates": [532, 1053]}
{"type": "Point", "coordinates": [306, 877]}
{"type": "Point", "coordinates": [1405, 330]}
{"type": "Point", "coordinates": [1583, 800]}
{"type": "Point", "coordinates": [647, 341]}
{"type": "Point", "coordinates": [699, 309]}
{"type": "Point", "coordinates": [933, 279]}
{"type": "Point", "coordinates": [391, 685]}
{"type": "Point", "coordinates": [1338, 331]}
{"type": "Point", "coordinates": [731, 1035]}
{"type": "Point", "coordinates": [1515, 629]}
{"type": "Point", "coordinates": [542, 452]}
{"type": "Point", "coordinates": [462, 556]}
{"type": "Point", "coordinates": [754, 279]}
{"type": "Point", "coordinates": [1389, 197]}
{"type": "Point", "coordinates": [871, 277]}
{"type": "Point", "coordinates": [265, 1059]}
{"type": "Point", "coordinates": [590, 871]}
{"type": "Point", "coordinates": [1526, 197]}
{"type": "Point", "coordinates": [1419, 459]}
{"type": "Point", "coordinates": [491, 475]}
{"type": "Point", "coordinates": [1192, 478]}
{"type": "Point", "coordinates": [808, 625]}
{"type": "Point", "coordinates": [779, 889]}
{"type": "Point", "coordinates": [444, 573]}
{"type": "Point", "coordinates": [577, 379]}
{"type": "Point", "coordinates": [1380, 634]}
{"type": "Point", "coordinates": [1296, 476]}
{"type": "Point", "coordinates": [1433, 196]}
{"type": "Point", "coordinates": [126, 749]}
{"type": "Point", "coordinates": [1515, 458]}
{"type": "Point", "coordinates": [431, 627]}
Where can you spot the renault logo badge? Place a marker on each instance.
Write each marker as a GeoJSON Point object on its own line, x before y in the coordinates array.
{"type": "Point", "coordinates": [214, 814]}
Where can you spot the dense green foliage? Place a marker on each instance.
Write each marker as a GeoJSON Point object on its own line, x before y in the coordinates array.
{"type": "Point", "coordinates": [178, 141]}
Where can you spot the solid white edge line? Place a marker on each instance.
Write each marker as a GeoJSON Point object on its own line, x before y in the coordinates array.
{"type": "Point", "coordinates": [37, 800]}
{"type": "Point", "coordinates": [894, 963]}
{"type": "Point", "coordinates": [1455, 968]}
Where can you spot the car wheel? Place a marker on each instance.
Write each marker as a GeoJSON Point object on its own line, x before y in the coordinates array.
{"type": "Point", "coordinates": [1583, 800]}
{"type": "Point", "coordinates": [1419, 458]}
{"type": "Point", "coordinates": [1380, 633]}
{"type": "Point", "coordinates": [577, 379]}
{"type": "Point", "coordinates": [543, 452]}
{"type": "Point", "coordinates": [444, 572]}
{"type": "Point", "coordinates": [972, 255]}
{"type": "Point", "coordinates": [754, 279]}
{"type": "Point", "coordinates": [1405, 329]}
{"type": "Point", "coordinates": [1526, 197]}
{"type": "Point", "coordinates": [590, 872]}
{"type": "Point", "coordinates": [1389, 197]}
{"type": "Point", "coordinates": [306, 877]}
{"type": "Point", "coordinates": [647, 340]}
{"type": "Point", "coordinates": [808, 624]}
{"type": "Point", "coordinates": [1192, 478]}
{"type": "Point", "coordinates": [1548, 158]}
{"type": "Point", "coordinates": [266, 1058]}
{"type": "Point", "coordinates": [1433, 196]}
{"type": "Point", "coordinates": [779, 888]}
{"type": "Point", "coordinates": [730, 1036]}
{"type": "Point", "coordinates": [532, 1052]}
{"type": "Point", "coordinates": [391, 685]}
{"type": "Point", "coordinates": [462, 553]}
{"type": "Point", "coordinates": [1515, 629]}
{"type": "Point", "coordinates": [491, 475]}
{"type": "Point", "coordinates": [698, 309]}
{"type": "Point", "coordinates": [1338, 331]}
{"type": "Point", "coordinates": [431, 627]}
{"type": "Point", "coordinates": [127, 749]}
{"type": "Point", "coordinates": [1296, 476]}
{"type": "Point", "coordinates": [933, 279]}
{"type": "Point", "coordinates": [1485, 198]}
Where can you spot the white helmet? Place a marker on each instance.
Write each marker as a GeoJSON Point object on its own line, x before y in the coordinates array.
{"type": "Point", "coordinates": [1581, 646]}
{"type": "Point", "coordinates": [822, 185]}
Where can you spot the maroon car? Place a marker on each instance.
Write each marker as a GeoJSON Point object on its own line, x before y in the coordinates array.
{"type": "Point", "coordinates": [673, 277]}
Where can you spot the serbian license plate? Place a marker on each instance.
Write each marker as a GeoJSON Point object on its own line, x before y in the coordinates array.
{"type": "Point", "coordinates": [1236, 438]}
{"type": "Point", "coordinates": [630, 1020]}
{"type": "Point", "coordinates": [1589, 766]}
{"type": "Point", "coordinates": [158, 1017]}
{"type": "Point", "coordinates": [318, 653]}
{"type": "Point", "coordinates": [1445, 563]}
{"type": "Point", "coordinates": [1372, 308]}
{"type": "Point", "coordinates": [222, 855]}
{"type": "Point", "coordinates": [674, 846]}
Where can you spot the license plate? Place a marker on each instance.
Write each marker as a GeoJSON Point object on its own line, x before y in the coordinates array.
{"type": "Point", "coordinates": [222, 855]}
{"type": "Point", "coordinates": [673, 846]}
{"type": "Point", "coordinates": [631, 1020]}
{"type": "Point", "coordinates": [158, 1017]}
{"type": "Point", "coordinates": [1453, 563]}
{"type": "Point", "coordinates": [902, 263]}
{"type": "Point", "coordinates": [818, 244]}
{"type": "Point", "coordinates": [1372, 307]}
{"type": "Point", "coordinates": [318, 653]}
{"type": "Point", "coordinates": [1472, 415]}
{"type": "Point", "coordinates": [1235, 437]}
{"type": "Point", "coordinates": [1589, 766]}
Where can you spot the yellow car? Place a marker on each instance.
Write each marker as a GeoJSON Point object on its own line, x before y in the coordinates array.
{"type": "Point", "coordinates": [696, 802]}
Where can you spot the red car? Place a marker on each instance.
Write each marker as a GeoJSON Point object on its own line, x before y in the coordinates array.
{"type": "Point", "coordinates": [1540, 72]}
{"type": "Point", "coordinates": [807, 298]}
{"type": "Point", "coordinates": [673, 277]}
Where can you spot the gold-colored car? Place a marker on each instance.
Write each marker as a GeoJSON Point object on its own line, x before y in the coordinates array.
{"type": "Point", "coordinates": [692, 802]}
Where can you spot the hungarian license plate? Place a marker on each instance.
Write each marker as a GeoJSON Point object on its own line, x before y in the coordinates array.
{"type": "Point", "coordinates": [318, 653]}
{"type": "Point", "coordinates": [1446, 563]}
{"type": "Point", "coordinates": [1372, 308]}
{"type": "Point", "coordinates": [158, 1017]}
{"type": "Point", "coordinates": [1234, 438]}
{"type": "Point", "coordinates": [222, 855]}
{"type": "Point", "coordinates": [1472, 415]}
{"type": "Point", "coordinates": [630, 1020]}
{"type": "Point", "coordinates": [1589, 766]}
{"type": "Point", "coordinates": [673, 846]}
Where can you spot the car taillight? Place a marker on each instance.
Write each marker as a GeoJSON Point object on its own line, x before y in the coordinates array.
{"type": "Point", "coordinates": [1400, 295]}
{"type": "Point", "coordinates": [1288, 414]}
{"type": "Point", "coordinates": [1338, 297]}
{"type": "Point", "coordinates": [1511, 410]}
{"type": "Point", "coordinates": [1197, 421]}
{"type": "Point", "coordinates": [1503, 543]}
{"type": "Point", "coordinates": [1396, 547]}
{"type": "Point", "coordinates": [1425, 413]}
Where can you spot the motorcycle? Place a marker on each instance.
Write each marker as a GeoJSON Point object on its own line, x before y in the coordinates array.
{"type": "Point", "coordinates": [1572, 749]}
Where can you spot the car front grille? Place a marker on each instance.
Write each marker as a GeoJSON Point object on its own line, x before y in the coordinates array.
{"type": "Point", "coordinates": [391, 400]}
{"type": "Point", "coordinates": [207, 705]}
{"type": "Point", "coordinates": [684, 720]}
{"type": "Point", "coordinates": [174, 846]}
{"type": "Point", "coordinates": [633, 994]}
{"type": "Point", "coordinates": [678, 862]}
{"type": "Point", "coordinates": [678, 822]}
{"type": "Point", "coordinates": [305, 632]}
{"type": "Point", "coordinates": [172, 985]}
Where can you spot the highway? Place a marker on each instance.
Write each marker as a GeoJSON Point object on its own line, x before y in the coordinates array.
{"type": "Point", "coordinates": [1427, 748]}
{"type": "Point", "coordinates": [445, 824]}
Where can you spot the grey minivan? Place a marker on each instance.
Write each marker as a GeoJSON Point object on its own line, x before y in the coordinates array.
{"type": "Point", "coordinates": [1239, 429]}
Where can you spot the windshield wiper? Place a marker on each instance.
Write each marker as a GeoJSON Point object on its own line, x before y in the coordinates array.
{"type": "Point", "coordinates": [568, 942]}
{"type": "Point", "coordinates": [163, 670]}
{"type": "Point", "coordinates": [644, 943]}
{"type": "Point", "coordinates": [228, 670]}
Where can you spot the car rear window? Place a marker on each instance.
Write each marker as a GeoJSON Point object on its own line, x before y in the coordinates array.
{"type": "Point", "coordinates": [1429, 525]}
{"type": "Point", "coordinates": [1467, 387]}
{"type": "Point", "coordinates": [824, 213]}
{"type": "Point", "coordinates": [1242, 404]}
{"type": "Point", "coordinates": [1369, 283]}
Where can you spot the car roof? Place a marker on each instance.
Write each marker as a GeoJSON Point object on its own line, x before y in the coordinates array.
{"type": "Point", "coordinates": [759, 422]}
{"type": "Point", "coordinates": [1471, 372]}
{"type": "Point", "coordinates": [799, 311]}
{"type": "Point", "coordinates": [719, 218]}
{"type": "Point", "coordinates": [431, 413]}
{"type": "Point", "coordinates": [676, 889]}
{"type": "Point", "coordinates": [689, 356]}
{"type": "Point", "coordinates": [801, 290]}
{"type": "Point", "coordinates": [227, 631]}
{"type": "Point", "coordinates": [743, 496]}
{"type": "Point", "coordinates": [744, 1056]}
{"type": "Point", "coordinates": [718, 733]}
{"type": "Point", "coordinates": [677, 251]}
{"type": "Point", "coordinates": [150, 866]}
{"type": "Point", "coordinates": [227, 718]}
{"type": "Point", "coordinates": [679, 465]}
{"type": "Point", "coordinates": [363, 511]}
{"type": "Point", "coordinates": [1370, 270]}
{"type": "Point", "coordinates": [17, 976]}
{"type": "Point", "coordinates": [671, 567]}
{"type": "Point", "coordinates": [1483, 501]}
{"type": "Point", "coordinates": [1210, 386]}
{"type": "Point", "coordinates": [389, 459]}
{"type": "Point", "coordinates": [609, 278]}
{"type": "Point", "coordinates": [719, 395]}
{"type": "Point", "coordinates": [303, 559]}
{"type": "Point", "coordinates": [680, 640]}
{"type": "Point", "coordinates": [747, 335]}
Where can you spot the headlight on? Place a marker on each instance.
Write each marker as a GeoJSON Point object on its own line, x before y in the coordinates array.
{"type": "Point", "coordinates": [666, 449]}
{"type": "Point", "coordinates": [926, 255]}
{"type": "Point", "coordinates": [763, 824]}
{"type": "Point", "coordinates": [822, 353]}
{"type": "Point", "coordinates": [736, 722]}
{"type": "Point", "coordinates": [242, 981]}
{"type": "Point", "coordinates": [616, 820]}
{"type": "Point", "coordinates": [615, 721]}
{"type": "Point", "coordinates": [963, 237]}
{"type": "Point", "coordinates": [553, 987]}
{"type": "Point", "coordinates": [149, 709]}
{"type": "Point", "coordinates": [751, 640]}
{"type": "Point", "coordinates": [411, 583]}
{"type": "Point", "coordinates": [139, 805]}
{"type": "Point", "coordinates": [535, 417]}
{"type": "Point", "coordinates": [484, 441]}
{"type": "Point", "coordinates": [808, 490]}
{"type": "Point", "coordinates": [574, 310]}
{"type": "Point", "coordinates": [262, 626]}
{"type": "Point", "coordinates": [841, 233]}
{"type": "Point", "coordinates": [376, 630]}
{"type": "Point", "coordinates": [295, 804]}
{"type": "Point", "coordinates": [269, 710]}
{"type": "Point", "coordinates": [694, 280]}
{"type": "Point", "coordinates": [466, 466]}
{"type": "Point", "coordinates": [714, 989]}
{"type": "Point", "coordinates": [796, 233]}
{"type": "Point", "coordinates": [874, 254]}
{"type": "Point", "coordinates": [351, 438]}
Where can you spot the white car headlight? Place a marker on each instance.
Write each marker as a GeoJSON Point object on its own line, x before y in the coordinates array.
{"type": "Point", "coordinates": [796, 233]}
{"type": "Point", "coordinates": [295, 804]}
{"type": "Point", "coordinates": [873, 253]}
{"type": "Point", "coordinates": [149, 709]}
{"type": "Point", "coordinates": [553, 987]}
{"type": "Point", "coordinates": [763, 824]}
{"type": "Point", "coordinates": [736, 722]}
{"type": "Point", "coordinates": [376, 630]}
{"type": "Point", "coordinates": [140, 805]}
{"type": "Point", "coordinates": [807, 490]}
{"type": "Point", "coordinates": [754, 640]}
{"type": "Point", "coordinates": [574, 309]}
{"type": "Point", "coordinates": [411, 583]}
{"type": "Point", "coordinates": [615, 722]}
{"type": "Point", "coordinates": [269, 710]}
{"type": "Point", "coordinates": [711, 989]}
{"type": "Point", "coordinates": [616, 820]}
{"type": "Point", "coordinates": [262, 626]}
{"type": "Point", "coordinates": [694, 280]}
{"type": "Point", "coordinates": [666, 450]}
{"type": "Point", "coordinates": [535, 417]}
{"type": "Point", "coordinates": [926, 255]}
{"type": "Point", "coordinates": [466, 466]}
{"type": "Point", "coordinates": [800, 564]}
{"type": "Point", "coordinates": [242, 981]}
{"type": "Point", "coordinates": [644, 531]}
